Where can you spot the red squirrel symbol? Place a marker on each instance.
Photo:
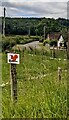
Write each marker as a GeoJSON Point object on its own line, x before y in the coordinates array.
{"type": "Point", "coordinates": [14, 57]}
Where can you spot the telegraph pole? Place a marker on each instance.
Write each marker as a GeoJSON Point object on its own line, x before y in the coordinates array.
{"type": "Point", "coordinates": [4, 22]}
{"type": "Point", "coordinates": [44, 32]}
{"type": "Point", "coordinates": [68, 73]}
{"type": "Point", "coordinates": [29, 31]}
{"type": "Point", "coordinates": [68, 62]}
{"type": "Point", "coordinates": [68, 44]}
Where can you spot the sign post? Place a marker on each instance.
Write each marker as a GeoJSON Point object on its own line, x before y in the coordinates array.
{"type": "Point", "coordinates": [13, 82]}
{"type": "Point", "coordinates": [13, 59]}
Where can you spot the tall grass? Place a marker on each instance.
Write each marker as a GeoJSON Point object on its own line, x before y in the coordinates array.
{"type": "Point", "coordinates": [40, 93]}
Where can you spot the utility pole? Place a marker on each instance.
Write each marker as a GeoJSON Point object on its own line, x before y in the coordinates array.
{"type": "Point", "coordinates": [68, 44]}
{"type": "Point", "coordinates": [29, 31]}
{"type": "Point", "coordinates": [44, 32]}
{"type": "Point", "coordinates": [68, 73]}
{"type": "Point", "coordinates": [68, 62]}
{"type": "Point", "coordinates": [4, 22]}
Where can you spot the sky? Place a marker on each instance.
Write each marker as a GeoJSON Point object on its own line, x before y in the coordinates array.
{"type": "Point", "coordinates": [34, 8]}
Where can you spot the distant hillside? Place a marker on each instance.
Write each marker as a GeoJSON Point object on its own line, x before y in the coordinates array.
{"type": "Point", "coordinates": [35, 26]}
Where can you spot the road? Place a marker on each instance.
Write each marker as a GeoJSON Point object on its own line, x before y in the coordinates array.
{"type": "Point", "coordinates": [34, 44]}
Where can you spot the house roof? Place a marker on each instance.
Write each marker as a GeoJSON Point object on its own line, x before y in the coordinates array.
{"type": "Point", "coordinates": [55, 36]}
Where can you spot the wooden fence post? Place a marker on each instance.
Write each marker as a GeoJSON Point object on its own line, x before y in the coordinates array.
{"type": "Point", "coordinates": [59, 73]}
{"type": "Point", "coordinates": [13, 82]}
{"type": "Point", "coordinates": [53, 51]}
{"type": "Point", "coordinates": [13, 59]}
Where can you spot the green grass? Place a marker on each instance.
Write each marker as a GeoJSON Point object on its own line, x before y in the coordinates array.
{"type": "Point", "coordinates": [40, 93]}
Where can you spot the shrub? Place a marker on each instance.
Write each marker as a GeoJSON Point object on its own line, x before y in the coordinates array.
{"type": "Point", "coordinates": [50, 42]}
{"type": "Point", "coordinates": [41, 39]}
{"type": "Point", "coordinates": [18, 39]}
{"type": "Point", "coordinates": [53, 42]}
{"type": "Point", "coordinates": [25, 39]}
{"type": "Point", "coordinates": [46, 41]}
{"type": "Point", "coordinates": [7, 43]}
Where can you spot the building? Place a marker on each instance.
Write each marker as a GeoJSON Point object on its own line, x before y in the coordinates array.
{"type": "Point", "coordinates": [58, 37]}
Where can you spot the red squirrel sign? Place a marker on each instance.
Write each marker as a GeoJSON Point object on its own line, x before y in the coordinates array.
{"type": "Point", "coordinates": [13, 58]}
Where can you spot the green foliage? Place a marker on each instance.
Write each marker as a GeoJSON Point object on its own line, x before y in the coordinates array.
{"type": "Point", "coordinates": [50, 42]}
{"type": "Point", "coordinates": [26, 39]}
{"type": "Point", "coordinates": [7, 43]}
{"type": "Point", "coordinates": [21, 26]}
{"type": "Point", "coordinates": [46, 41]}
{"type": "Point", "coordinates": [53, 42]}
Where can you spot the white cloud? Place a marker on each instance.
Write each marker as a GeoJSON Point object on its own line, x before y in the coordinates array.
{"type": "Point", "coordinates": [36, 9]}
{"type": "Point", "coordinates": [1, 11]}
{"type": "Point", "coordinates": [35, 0]}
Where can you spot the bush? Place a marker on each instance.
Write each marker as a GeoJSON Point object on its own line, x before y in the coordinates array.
{"type": "Point", "coordinates": [41, 39]}
{"type": "Point", "coordinates": [46, 41]}
{"type": "Point", "coordinates": [7, 43]}
{"type": "Point", "coordinates": [53, 42]}
{"type": "Point", "coordinates": [18, 39]}
{"type": "Point", "coordinates": [26, 39]}
{"type": "Point", "coordinates": [50, 42]}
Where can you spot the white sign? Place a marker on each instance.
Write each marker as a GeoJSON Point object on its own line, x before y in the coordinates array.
{"type": "Point", "coordinates": [13, 58]}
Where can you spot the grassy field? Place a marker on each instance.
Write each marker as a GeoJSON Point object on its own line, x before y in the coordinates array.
{"type": "Point", "coordinates": [40, 93]}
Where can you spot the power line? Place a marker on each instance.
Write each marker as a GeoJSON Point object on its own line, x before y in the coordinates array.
{"type": "Point", "coordinates": [7, 14]}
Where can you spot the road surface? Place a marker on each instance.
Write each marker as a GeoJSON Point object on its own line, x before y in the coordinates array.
{"type": "Point", "coordinates": [34, 44]}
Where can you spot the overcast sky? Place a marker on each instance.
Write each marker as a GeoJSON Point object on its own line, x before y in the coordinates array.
{"type": "Point", "coordinates": [32, 8]}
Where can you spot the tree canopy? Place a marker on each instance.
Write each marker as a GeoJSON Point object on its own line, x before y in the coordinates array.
{"type": "Point", "coordinates": [35, 26]}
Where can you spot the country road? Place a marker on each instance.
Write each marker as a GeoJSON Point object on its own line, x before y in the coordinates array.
{"type": "Point", "coordinates": [34, 44]}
